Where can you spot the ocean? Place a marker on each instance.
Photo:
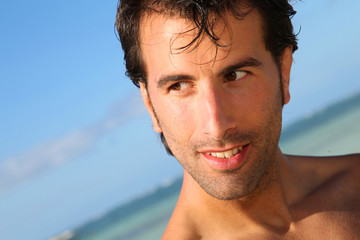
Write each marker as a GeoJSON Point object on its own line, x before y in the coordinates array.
{"type": "Point", "coordinates": [332, 131]}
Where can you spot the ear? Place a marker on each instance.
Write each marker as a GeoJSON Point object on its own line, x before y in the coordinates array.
{"type": "Point", "coordinates": [147, 102]}
{"type": "Point", "coordinates": [286, 63]}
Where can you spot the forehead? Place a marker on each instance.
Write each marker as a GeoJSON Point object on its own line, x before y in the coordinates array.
{"type": "Point", "coordinates": [163, 38]}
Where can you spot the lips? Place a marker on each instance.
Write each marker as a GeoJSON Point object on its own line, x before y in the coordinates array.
{"type": "Point", "coordinates": [226, 160]}
{"type": "Point", "coordinates": [226, 154]}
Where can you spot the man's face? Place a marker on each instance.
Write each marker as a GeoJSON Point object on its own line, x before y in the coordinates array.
{"type": "Point", "coordinates": [218, 108]}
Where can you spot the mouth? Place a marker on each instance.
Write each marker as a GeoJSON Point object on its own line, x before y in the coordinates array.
{"type": "Point", "coordinates": [226, 160]}
{"type": "Point", "coordinates": [226, 154]}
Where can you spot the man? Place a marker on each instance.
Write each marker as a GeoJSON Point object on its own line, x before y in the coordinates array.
{"type": "Point", "coordinates": [214, 76]}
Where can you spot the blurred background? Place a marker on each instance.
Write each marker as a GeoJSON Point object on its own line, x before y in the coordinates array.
{"type": "Point", "coordinates": [76, 141]}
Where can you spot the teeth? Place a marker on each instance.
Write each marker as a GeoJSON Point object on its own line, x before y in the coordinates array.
{"type": "Point", "coordinates": [220, 154]}
{"type": "Point", "coordinates": [226, 154]}
{"type": "Point", "coordinates": [235, 151]}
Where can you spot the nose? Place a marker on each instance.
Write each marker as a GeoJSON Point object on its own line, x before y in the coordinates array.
{"type": "Point", "coordinates": [216, 112]}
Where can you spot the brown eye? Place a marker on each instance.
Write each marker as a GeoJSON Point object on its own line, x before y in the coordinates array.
{"type": "Point", "coordinates": [235, 75]}
{"type": "Point", "coordinates": [175, 87]}
{"type": "Point", "coordinates": [179, 86]}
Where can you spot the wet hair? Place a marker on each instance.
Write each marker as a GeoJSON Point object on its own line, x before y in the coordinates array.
{"type": "Point", "coordinates": [275, 14]}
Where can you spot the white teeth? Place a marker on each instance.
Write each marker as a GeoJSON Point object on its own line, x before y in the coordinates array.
{"type": "Point", "coordinates": [235, 151]}
{"type": "Point", "coordinates": [226, 154]}
{"type": "Point", "coordinates": [220, 154]}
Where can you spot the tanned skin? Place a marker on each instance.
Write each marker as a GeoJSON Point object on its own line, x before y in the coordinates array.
{"type": "Point", "coordinates": [320, 200]}
{"type": "Point", "coordinates": [204, 106]}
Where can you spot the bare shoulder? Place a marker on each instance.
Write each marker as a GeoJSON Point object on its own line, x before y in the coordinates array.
{"type": "Point", "coordinates": [351, 169]}
{"type": "Point", "coordinates": [350, 160]}
{"type": "Point", "coordinates": [347, 168]}
{"type": "Point", "coordinates": [334, 178]}
{"type": "Point", "coordinates": [329, 165]}
{"type": "Point", "coordinates": [351, 163]}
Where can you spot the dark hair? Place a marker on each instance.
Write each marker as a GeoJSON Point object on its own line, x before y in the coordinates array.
{"type": "Point", "coordinates": [276, 20]}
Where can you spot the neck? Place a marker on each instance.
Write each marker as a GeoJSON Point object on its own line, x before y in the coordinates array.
{"type": "Point", "coordinates": [266, 207]}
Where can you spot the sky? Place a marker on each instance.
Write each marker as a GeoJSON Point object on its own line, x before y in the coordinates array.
{"type": "Point", "coordinates": [76, 140]}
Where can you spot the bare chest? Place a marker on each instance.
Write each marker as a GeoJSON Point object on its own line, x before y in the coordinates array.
{"type": "Point", "coordinates": [319, 226]}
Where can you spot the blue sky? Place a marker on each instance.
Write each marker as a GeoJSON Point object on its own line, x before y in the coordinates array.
{"type": "Point", "coordinates": [76, 139]}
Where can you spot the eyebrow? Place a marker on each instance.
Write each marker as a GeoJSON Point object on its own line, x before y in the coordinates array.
{"type": "Point", "coordinates": [247, 62]}
{"type": "Point", "coordinates": [165, 79]}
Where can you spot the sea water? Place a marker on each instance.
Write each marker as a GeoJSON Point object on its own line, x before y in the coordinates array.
{"type": "Point", "coordinates": [336, 136]}
{"type": "Point", "coordinates": [334, 131]}
{"type": "Point", "coordinates": [147, 224]}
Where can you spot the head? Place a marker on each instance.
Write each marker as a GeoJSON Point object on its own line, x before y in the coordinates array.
{"type": "Point", "coordinates": [275, 15]}
{"type": "Point", "coordinates": [214, 76]}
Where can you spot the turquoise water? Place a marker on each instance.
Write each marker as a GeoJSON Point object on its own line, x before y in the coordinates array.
{"type": "Point", "coordinates": [143, 218]}
{"type": "Point", "coordinates": [148, 224]}
{"type": "Point", "coordinates": [337, 135]}
{"type": "Point", "coordinates": [333, 131]}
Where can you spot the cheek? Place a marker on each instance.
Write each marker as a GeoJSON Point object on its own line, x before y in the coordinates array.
{"type": "Point", "coordinates": [259, 100]}
{"type": "Point", "coordinates": [175, 118]}
{"type": "Point", "coordinates": [250, 99]}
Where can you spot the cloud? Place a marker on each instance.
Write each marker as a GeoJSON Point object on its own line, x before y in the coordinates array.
{"type": "Point", "coordinates": [49, 155]}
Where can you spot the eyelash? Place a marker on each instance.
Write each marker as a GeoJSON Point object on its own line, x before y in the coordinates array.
{"type": "Point", "coordinates": [177, 85]}
{"type": "Point", "coordinates": [244, 73]}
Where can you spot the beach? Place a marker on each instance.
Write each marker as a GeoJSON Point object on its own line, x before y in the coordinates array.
{"type": "Point", "coordinates": [334, 130]}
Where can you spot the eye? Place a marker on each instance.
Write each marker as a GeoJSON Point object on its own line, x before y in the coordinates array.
{"type": "Point", "coordinates": [179, 86]}
{"type": "Point", "coordinates": [235, 75]}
